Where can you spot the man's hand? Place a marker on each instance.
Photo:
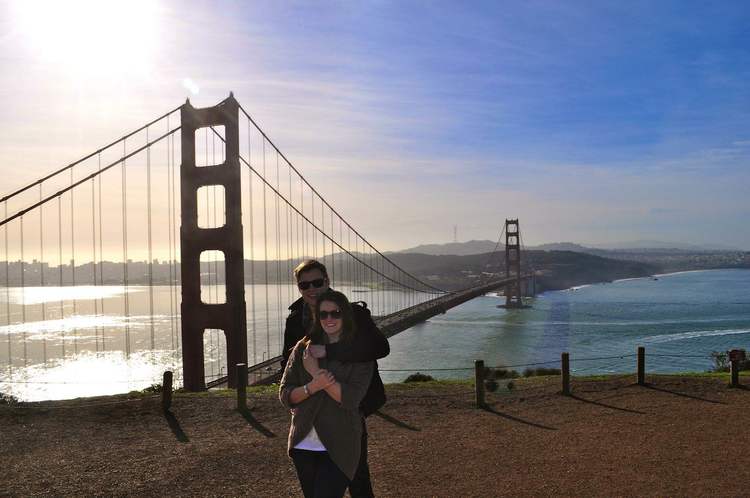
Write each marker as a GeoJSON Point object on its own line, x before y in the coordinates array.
{"type": "Point", "coordinates": [321, 380]}
{"type": "Point", "coordinates": [317, 350]}
{"type": "Point", "coordinates": [310, 362]}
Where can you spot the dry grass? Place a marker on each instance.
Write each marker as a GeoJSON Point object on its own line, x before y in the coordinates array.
{"type": "Point", "coordinates": [681, 436]}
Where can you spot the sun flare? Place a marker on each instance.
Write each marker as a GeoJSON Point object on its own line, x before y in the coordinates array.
{"type": "Point", "coordinates": [90, 38]}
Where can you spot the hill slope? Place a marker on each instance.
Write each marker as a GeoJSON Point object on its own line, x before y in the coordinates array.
{"type": "Point", "coordinates": [559, 269]}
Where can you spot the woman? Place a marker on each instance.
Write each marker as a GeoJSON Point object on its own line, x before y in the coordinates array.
{"type": "Point", "coordinates": [324, 396]}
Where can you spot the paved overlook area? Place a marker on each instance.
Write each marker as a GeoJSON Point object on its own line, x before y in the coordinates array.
{"type": "Point", "coordinates": [679, 436]}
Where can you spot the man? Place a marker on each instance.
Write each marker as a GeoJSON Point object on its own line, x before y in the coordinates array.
{"type": "Point", "coordinates": [369, 345]}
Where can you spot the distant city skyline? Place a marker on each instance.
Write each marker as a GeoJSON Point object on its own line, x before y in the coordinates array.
{"type": "Point", "coordinates": [592, 123]}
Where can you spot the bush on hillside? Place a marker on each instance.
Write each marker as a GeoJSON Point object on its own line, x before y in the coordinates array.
{"type": "Point", "coordinates": [418, 377]}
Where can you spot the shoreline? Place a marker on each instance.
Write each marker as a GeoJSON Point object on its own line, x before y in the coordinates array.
{"type": "Point", "coordinates": [679, 272]}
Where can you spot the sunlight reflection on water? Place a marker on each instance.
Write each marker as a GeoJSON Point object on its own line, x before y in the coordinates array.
{"type": "Point", "coordinates": [39, 295]}
{"type": "Point", "coordinates": [52, 329]}
{"type": "Point", "coordinates": [65, 342]}
{"type": "Point", "coordinates": [90, 374]}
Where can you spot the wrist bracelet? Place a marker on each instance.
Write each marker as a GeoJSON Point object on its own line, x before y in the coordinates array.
{"type": "Point", "coordinates": [307, 391]}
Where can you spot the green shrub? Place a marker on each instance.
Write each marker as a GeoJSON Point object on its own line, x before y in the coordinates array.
{"type": "Point", "coordinates": [8, 399]}
{"type": "Point", "coordinates": [721, 362]}
{"type": "Point", "coordinates": [418, 377]}
{"type": "Point", "coordinates": [153, 388]}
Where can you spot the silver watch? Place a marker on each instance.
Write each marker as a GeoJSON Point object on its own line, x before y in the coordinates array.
{"type": "Point", "coordinates": [307, 391]}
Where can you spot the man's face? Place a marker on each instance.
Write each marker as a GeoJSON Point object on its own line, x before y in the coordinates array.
{"type": "Point", "coordinates": [309, 279]}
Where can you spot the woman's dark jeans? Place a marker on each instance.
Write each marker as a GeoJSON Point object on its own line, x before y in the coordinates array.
{"type": "Point", "coordinates": [318, 475]}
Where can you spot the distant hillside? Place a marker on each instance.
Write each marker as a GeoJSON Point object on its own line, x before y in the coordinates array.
{"type": "Point", "coordinates": [454, 248]}
{"type": "Point", "coordinates": [606, 250]}
{"type": "Point", "coordinates": [636, 245]}
{"type": "Point", "coordinates": [564, 246]}
{"type": "Point", "coordinates": [660, 244]}
{"type": "Point", "coordinates": [564, 269]}
{"type": "Point", "coordinates": [559, 269]}
{"type": "Point", "coordinates": [564, 264]}
{"type": "Point", "coordinates": [667, 259]}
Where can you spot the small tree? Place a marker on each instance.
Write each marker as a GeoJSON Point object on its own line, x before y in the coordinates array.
{"type": "Point", "coordinates": [721, 361]}
{"type": "Point", "coordinates": [8, 399]}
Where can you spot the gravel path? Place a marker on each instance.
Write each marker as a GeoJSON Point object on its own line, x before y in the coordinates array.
{"type": "Point", "coordinates": [677, 437]}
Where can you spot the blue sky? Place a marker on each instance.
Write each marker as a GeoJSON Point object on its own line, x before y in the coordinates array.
{"type": "Point", "coordinates": [592, 122]}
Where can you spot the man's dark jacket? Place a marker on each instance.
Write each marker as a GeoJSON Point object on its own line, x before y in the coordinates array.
{"type": "Point", "coordinates": [369, 344]}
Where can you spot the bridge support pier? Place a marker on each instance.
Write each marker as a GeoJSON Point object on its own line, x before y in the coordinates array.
{"type": "Point", "coordinates": [198, 316]}
{"type": "Point", "coordinates": [513, 265]}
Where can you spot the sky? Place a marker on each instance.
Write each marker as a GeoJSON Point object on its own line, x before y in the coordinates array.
{"type": "Point", "coordinates": [591, 121]}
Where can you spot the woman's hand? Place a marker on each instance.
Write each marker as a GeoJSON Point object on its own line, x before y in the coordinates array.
{"type": "Point", "coordinates": [317, 350]}
{"type": "Point", "coordinates": [310, 362]}
{"type": "Point", "coordinates": [321, 380]}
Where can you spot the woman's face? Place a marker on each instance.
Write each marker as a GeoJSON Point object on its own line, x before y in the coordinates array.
{"type": "Point", "coordinates": [330, 319]}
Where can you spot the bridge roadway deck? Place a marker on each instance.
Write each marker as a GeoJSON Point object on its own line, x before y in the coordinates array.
{"type": "Point", "coordinates": [269, 371]}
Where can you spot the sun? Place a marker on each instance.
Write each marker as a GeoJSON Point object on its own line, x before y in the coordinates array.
{"type": "Point", "coordinates": [87, 38]}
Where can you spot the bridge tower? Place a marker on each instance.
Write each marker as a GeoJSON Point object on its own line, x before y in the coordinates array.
{"type": "Point", "coordinates": [198, 316]}
{"type": "Point", "coordinates": [513, 264]}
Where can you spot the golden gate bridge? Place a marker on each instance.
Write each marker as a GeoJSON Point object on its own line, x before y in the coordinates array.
{"type": "Point", "coordinates": [173, 246]}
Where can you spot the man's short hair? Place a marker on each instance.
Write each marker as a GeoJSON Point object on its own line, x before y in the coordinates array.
{"type": "Point", "coordinates": [308, 265]}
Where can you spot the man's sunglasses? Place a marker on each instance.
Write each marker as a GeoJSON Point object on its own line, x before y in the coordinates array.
{"type": "Point", "coordinates": [317, 283]}
{"type": "Point", "coordinates": [333, 314]}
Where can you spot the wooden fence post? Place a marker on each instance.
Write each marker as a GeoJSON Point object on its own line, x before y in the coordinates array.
{"type": "Point", "coordinates": [241, 387]}
{"type": "Point", "coordinates": [479, 382]}
{"type": "Point", "coordinates": [734, 370]}
{"type": "Point", "coordinates": [166, 391]}
{"type": "Point", "coordinates": [641, 366]}
{"type": "Point", "coordinates": [565, 360]}
{"type": "Point", "coordinates": [736, 358]}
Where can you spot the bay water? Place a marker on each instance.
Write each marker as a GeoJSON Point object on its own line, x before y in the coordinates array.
{"type": "Point", "coordinates": [69, 342]}
{"type": "Point", "coordinates": [679, 318]}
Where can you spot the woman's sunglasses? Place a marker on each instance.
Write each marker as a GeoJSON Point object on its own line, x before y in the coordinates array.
{"type": "Point", "coordinates": [333, 314]}
{"type": "Point", "coordinates": [305, 284]}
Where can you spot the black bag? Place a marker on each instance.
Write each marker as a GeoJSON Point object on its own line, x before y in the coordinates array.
{"type": "Point", "coordinates": [375, 396]}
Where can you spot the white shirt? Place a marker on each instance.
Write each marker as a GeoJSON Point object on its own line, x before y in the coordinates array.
{"type": "Point", "coordinates": [311, 442]}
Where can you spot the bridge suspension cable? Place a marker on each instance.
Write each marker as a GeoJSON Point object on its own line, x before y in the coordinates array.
{"type": "Point", "coordinates": [487, 275]}
{"type": "Point", "coordinates": [332, 210]}
{"type": "Point", "coordinates": [87, 157]}
{"type": "Point", "coordinates": [325, 235]}
{"type": "Point", "coordinates": [85, 179]}
{"type": "Point", "coordinates": [41, 311]}
{"type": "Point", "coordinates": [528, 259]}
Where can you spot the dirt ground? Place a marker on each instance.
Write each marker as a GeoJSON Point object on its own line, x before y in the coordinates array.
{"type": "Point", "coordinates": [676, 437]}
